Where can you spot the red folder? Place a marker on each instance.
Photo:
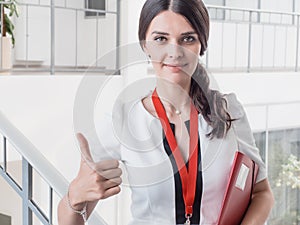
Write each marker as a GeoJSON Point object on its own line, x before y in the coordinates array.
{"type": "Point", "coordinates": [239, 190]}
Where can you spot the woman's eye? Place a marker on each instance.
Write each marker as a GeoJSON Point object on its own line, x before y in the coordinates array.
{"type": "Point", "coordinates": [188, 39]}
{"type": "Point", "coordinates": [160, 39]}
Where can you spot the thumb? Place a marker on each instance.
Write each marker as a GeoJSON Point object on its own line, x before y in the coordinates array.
{"type": "Point", "coordinates": [84, 148]}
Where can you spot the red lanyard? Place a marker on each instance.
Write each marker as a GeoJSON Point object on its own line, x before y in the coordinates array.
{"type": "Point", "coordinates": [188, 176]}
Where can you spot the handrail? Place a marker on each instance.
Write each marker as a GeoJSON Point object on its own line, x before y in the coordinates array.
{"type": "Point", "coordinates": [69, 8]}
{"type": "Point", "coordinates": [45, 169]}
{"type": "Point", "coordinates": [52, 67]}
{"type": "Point", "coordinates": [262, 19]}
{"type": "Point", "coordinates": [234, 63]}
{"type": "Point", "coordinates": [6, 3]}
{"type": "Point", "coordinates": [253, 10]}
{"type": "Point", "coordinates": [271, 103]}
{"type": "Point", "coordinates": [33, 156]}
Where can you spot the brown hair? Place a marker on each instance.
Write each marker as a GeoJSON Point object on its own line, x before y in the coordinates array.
{"type": "Point", "coordinates": [210, 103]}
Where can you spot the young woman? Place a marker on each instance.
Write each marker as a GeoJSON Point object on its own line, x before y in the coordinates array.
{"type": "Point", "coordinates": [179, 166]}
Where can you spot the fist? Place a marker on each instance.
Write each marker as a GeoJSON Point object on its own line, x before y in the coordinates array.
{"type": "Point", "coordinates": [95, 180]}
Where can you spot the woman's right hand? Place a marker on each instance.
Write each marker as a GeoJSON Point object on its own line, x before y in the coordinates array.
{"type": "Point", "coordinates": [95, 180]}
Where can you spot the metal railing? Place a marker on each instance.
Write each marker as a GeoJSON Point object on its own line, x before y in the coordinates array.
{"type": "Point", "coordinates": [258, 40]}
{"type": "Point", "coordinates": [53, 67]}
{"type": "Point", "coordinates": [241, 54]}
{"type": "Point", "coordinates": [33, 159]}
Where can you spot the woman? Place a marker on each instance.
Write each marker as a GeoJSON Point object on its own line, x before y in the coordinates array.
{"type": "Point", "coordinates": [199, 129]}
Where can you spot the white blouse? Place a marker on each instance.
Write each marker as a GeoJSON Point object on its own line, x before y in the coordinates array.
{"type": "Point", "coordinates": [132, 135]}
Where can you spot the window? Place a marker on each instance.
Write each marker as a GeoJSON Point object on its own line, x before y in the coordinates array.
{"type": "Point", "coordinates": [283, 173]}
{"type": "Point", "coordinates": [95, 4]}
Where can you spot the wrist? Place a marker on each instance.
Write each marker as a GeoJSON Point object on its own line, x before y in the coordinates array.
{"type": "Point", "coordinates": [74, 200]}
{"type": "Point", "coordinates": [79, 208]}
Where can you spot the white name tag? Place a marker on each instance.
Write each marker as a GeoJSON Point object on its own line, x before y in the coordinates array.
{"type": "Point", "coordinates": [242, 177]}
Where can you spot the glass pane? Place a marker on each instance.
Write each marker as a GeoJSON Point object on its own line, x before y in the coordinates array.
{"type": "Point", "coordinates": [95, 4]}
{"type": "Point", "coordinates": [14, 164]}
{"type": "Point", "coordinates": [40, 193]}
{"type": "Point", "coordinates": [260, 140]}
{"type": "Point", "coordinates": [10, 203]}
{"type": "Point", "coordinates": [284, 175]}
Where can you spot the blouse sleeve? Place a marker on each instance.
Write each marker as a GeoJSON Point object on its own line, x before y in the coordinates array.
{"type": "Point", "coordinates": [244, 135]}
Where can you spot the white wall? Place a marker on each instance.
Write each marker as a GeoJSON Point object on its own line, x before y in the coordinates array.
{"type": "Point", "coordinates": [133, 59]}
{"type": "Point", "coordinates": [277, 5]}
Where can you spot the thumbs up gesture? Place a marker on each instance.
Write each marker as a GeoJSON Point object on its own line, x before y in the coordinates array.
{"type": "Point", "coordinates": [95, 180]}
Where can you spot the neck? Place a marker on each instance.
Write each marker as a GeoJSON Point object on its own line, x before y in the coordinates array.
{"type": "Point", "coordinates": [173, 96]}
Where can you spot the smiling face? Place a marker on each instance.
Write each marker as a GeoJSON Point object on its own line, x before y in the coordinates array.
{"type": "Point", "coordinates": [173, 46]}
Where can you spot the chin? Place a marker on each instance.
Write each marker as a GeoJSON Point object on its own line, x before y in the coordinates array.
{"type": "Point", "coordinates": [179, 78]}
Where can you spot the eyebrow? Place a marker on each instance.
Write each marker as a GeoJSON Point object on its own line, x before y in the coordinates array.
{"type": "Point", "coordinates": [164, 33]}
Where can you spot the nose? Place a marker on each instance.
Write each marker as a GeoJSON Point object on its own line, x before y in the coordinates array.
{"type": "Point", "coordinates": [175, 51]}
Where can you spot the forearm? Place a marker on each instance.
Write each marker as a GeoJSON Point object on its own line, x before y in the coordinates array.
{"type": "Point", "coordinates": [259, 208]}
{"type": "Point", "coordinates": [66, 216]}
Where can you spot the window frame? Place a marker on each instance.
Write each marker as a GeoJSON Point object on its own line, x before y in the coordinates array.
{"type": "Point", "coordinates": [93, 15]}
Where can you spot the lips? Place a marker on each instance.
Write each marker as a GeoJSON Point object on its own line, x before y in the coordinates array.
{"type": "Point", "coordinates": [175, 67]}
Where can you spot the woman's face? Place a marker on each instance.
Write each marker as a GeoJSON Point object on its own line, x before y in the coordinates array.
{"type": "Point", "coordinates": [173, 46]}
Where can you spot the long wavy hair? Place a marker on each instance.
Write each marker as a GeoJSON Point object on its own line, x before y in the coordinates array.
{"type": "Point", "coordinates": [210, 103]}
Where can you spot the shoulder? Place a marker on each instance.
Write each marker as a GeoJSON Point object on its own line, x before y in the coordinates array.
{"type": "Point", "coordinates": [234, 107]}
{"type": "Point", "coordinates": [135, 109]}
{"type": "Point", "coordinates": [128, 114]}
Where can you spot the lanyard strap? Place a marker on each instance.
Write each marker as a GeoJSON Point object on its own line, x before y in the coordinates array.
{"type": "Point", "coordinates": [188, 176]}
